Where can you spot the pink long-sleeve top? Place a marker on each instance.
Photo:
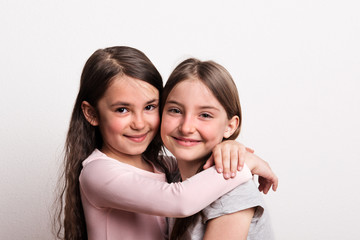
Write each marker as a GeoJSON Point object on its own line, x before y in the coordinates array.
{"type": "Point", "coordinates": [121, 201]}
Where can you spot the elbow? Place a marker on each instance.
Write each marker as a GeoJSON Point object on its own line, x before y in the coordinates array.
{"type": "Point", "coordinates": [187, 206]}
{"type": "Point", "coordinates": [184, 210]}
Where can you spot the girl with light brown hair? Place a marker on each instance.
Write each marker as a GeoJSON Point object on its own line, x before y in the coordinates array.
{"type": "Point", "coordinates": [201, 109]}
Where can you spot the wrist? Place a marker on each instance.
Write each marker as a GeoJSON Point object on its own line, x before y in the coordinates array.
{"type": "Point", "coordinates": [251, 161]}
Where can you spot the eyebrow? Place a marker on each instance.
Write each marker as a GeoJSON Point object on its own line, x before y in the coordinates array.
{"type": "Point", "coordinates": [128, 104]}
{"type": "Point", "coordinates": [201, 107]}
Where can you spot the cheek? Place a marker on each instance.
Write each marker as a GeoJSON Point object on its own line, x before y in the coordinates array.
{"type": "Point", "coordinates": [154, 118]}
{"type": "Point", "coordinates": [168, 124]}
{"type": "Point", "coordinates": [111, 129]}
{"type": "Point", "coordinates": [213, 133]}
{"type": "Point", "coordinates": [155, 122]}
{"type": "Point", "coordinates": [115, 125]}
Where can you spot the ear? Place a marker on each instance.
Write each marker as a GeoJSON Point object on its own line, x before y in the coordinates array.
{"type": "Point", "coordinates": [90, 113]}
{"type": "Point", "coordinates": [233, 124]}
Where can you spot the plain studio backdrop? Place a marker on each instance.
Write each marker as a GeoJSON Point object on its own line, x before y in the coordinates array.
{"type": "Point", "coordinates": [296, 65]}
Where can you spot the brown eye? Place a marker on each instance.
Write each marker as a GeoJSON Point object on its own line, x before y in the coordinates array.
{"type": "Point", "coordinates": [150, 107]}
{"type": "Point", "coordinates": [205, 115]}
{"type": "Point", "coordinates": [174, 110]}
{"type": "Point", "coordinates": [121, 110]}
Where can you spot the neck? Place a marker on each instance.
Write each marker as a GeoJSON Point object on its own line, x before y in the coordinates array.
{"type": "Point", "coordinates": [190, 168]}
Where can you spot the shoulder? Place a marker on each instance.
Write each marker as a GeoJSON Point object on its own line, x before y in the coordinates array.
{"type": "Point", "coordinates": [243, 197]}
{"type": "Point", "coordinates": [98, 161]}
{"type": "Point", "coordinates": [98, 168]}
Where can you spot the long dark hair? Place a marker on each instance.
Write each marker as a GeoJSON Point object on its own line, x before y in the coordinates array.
{"type": "Point", "coordinates": [82, 138]}
{"type": "Point", "coordinates": [221, 84]}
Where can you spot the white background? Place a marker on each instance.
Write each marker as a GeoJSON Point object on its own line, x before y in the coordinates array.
{"type": "Point", "coordinates": [296, 65]}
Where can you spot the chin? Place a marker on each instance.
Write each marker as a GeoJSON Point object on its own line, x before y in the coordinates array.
{"type": "Point", "coordinates": [136, 151]}
{"type": "Point", "coordinates": [190, 157]}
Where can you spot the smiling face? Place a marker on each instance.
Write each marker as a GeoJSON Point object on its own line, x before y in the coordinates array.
{"type": "Point", "coordinates": [127, 116]}
{"type": "Point", "coordinates": [193, 121]}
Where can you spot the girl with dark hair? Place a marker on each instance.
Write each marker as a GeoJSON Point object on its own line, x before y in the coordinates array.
{"type": "Point", "coordinates": [201, 108]}
{"type": "Point", "coordinates": [115, 173]}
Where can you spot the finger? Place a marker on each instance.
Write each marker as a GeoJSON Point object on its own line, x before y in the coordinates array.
{"type": "Point", "coordinates": [241, 159]}
{"type": "Point", "coordinates": [226, 162]}
{"type": "Point", "coordinates": [261, 187]}
{"type": "Point", "coordinates": [266, 184]}
{"type": "Point", "coordinates": [209, 162]}
{"type": "Point", "coordinates": [272, 181]}
{"type": "Point", "coordinates": [275, 184]}
{"type": "Point", "coordinates": [261, 184]}
{"type": "Point", "coordinates": [266, 188]}
{"type": "Point", "coordinates": [234, 161]}
{"type": "Point", "coordinates": [217, 157]}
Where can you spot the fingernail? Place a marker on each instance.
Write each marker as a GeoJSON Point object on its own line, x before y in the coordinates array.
{"type": "Point", "coordinates": [232, 174]}
{"type": "Point", "coordinates": [220, 170]}
{"type": "Point", "coordinates": [240, 168]}
{"type": "Point", "coordinates": [226, 175]}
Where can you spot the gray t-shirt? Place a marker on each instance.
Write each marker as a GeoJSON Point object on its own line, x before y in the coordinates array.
{"type": "Point", "coordinates": [243, 197]}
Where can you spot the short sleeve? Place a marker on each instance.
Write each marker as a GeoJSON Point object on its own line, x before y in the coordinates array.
{"type": "Point", "coordinates": [243, 197]}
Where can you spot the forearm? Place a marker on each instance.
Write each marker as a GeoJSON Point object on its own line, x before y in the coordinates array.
{"type": "Point", "coordinates": [136, 193]}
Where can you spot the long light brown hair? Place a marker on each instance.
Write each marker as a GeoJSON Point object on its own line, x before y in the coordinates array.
{"type": "Point", "coordinates": [82, 138]}
{"type": "Point", "coordinates": [222, 86]}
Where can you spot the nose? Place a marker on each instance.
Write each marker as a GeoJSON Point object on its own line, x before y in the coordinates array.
{"type": "Point", "coordinates": [187, 125]}
{"type": "Point", "coordinates": [137, 122]}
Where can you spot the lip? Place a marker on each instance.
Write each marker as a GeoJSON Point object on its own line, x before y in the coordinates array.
{"type": "Point", "coordinates": [186, 142]}
{"type": "Point", "coordinates": [137, 138]}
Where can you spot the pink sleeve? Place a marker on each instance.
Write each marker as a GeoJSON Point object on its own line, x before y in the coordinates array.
{"type": "Point", "coordinates": [106, 185]}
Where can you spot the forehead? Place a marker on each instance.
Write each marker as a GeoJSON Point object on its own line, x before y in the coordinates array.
{"type": "Point", "coordinates": [193, 91]}
{"type": "Point", "coordinates": [190, 84]}
{"type": "Point", "coordinates": [128, 88]}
